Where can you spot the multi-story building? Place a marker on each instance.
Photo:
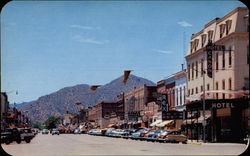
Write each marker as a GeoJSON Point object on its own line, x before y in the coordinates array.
{"type": "Point", "coordinates": [4, 109]}
{"type": "Point", "coordinates": [104, 111]}
{"type": "Point", "coordinates": [227, 80]}
{"type": "Point", "coordinates": [135, 101]}
{"type": "Point", "coordinates": [180, 89]}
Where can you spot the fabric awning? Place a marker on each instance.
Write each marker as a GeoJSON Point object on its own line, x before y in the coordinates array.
{"type": "Point", "coordinates": [156, 122]}
{"type": "Point", "coordinates": [164, 123]}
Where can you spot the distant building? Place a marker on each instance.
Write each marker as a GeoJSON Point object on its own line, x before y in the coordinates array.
{"type": "Point", "coordinates": [4, 109]}
{"type": "Point", "coordinates": [135, 101]}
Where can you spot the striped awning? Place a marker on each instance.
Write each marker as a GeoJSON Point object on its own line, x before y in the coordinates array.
{"type": "Point", "coordinates": [164, 123]}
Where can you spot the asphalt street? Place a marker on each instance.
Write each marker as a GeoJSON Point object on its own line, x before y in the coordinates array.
{"type": "Point", "coordinates": [83, 144]}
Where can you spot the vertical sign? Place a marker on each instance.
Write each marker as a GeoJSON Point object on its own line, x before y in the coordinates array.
{"type": "Point", "coordinates": [209, 50]}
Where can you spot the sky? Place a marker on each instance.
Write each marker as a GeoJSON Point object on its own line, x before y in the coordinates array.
{"type": "Point", "coordinates": [46, 46]}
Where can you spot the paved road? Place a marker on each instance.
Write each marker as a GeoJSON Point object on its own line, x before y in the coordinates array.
{"type": "Point", "coordinates": [70, 144]}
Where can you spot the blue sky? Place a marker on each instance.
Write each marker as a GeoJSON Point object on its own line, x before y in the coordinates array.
{"type": "Point", "coordinates": [46, 46]}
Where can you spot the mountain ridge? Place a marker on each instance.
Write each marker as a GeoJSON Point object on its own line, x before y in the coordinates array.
{"type": "Point", "coordinates": [57, 103]}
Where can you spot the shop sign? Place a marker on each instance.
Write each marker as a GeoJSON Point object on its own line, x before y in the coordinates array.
{"type": "Point", "coordinates": [223, 105]}
{"type": "Point", "coordinates": [135, 113]}
{"type": "Point", "coordinates": [172, 115]}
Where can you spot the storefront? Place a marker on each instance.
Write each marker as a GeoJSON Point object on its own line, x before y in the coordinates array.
{"type": "Point", "coordinates": [226, 120]}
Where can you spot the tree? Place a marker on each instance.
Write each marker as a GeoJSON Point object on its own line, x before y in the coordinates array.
{"type": "Point", "coordinates": [36, 124]}
{"type": "Point", "coordinates": [52, 122]}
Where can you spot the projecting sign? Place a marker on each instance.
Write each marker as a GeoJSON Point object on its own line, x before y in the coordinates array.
{"type": "Point", "coordinates": [172, 115]}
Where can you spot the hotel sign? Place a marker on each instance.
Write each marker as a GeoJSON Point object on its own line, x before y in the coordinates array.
{"type": "Point", "coordinates": [223, 105]}
{"type": "Point", "coordinates": [209, 49]}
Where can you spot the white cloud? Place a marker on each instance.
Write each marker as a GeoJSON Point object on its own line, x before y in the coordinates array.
{"type": "Point", "coordinates": [185, 24]}
{"type": "Point", "coordinates": [163, 51]}
{"type": "Point", "coordinates": [83, 27]}
{"type": "Point", "coordinates": [79, 38]}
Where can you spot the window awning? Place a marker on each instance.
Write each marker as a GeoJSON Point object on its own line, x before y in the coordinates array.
{"type": "Point", "coordinates": [164, 123]}
{"type": "Point", "coordinates": [156, 122]}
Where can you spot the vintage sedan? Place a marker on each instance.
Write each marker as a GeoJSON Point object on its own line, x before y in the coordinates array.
{"type": "Point", "coordinates": [176, 136]}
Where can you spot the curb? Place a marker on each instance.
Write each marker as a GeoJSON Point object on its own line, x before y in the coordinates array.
{"type": "Point", "coordinates": [194, 143]}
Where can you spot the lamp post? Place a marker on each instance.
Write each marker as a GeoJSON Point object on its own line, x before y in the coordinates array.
{"type": "Point", "coordinates": [204, 107]}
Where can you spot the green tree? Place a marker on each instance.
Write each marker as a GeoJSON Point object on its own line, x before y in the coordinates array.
{"type": "Point", "coordinates": [52, 122]}
{"type": "Point", "coordinates": [36, 124]}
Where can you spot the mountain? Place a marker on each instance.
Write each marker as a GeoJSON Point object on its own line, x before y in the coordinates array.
{"type": "Point", "coordinates": [19, 105]}
{"type": "Point", "coordinates": [57, 103]}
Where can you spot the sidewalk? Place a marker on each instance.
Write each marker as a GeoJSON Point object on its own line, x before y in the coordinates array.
{"type": "Point", "coordinates": [200, 142]}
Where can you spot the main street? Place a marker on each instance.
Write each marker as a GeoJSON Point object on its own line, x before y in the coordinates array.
{"type": "Point", "coordinates": [70, 144]}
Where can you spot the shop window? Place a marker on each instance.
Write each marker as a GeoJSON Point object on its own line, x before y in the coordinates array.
{"type": "Point", "coordinates": [228, 26]}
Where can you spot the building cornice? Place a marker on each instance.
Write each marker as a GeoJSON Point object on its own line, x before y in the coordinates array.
{"type": "Point", "coordinates": [231, 35]}
{"type": "Point", "coordinates": [218, 20]}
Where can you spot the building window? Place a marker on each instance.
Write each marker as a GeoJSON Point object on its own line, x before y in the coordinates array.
{"type": "Point", "coordinates": [180, 95]}
{"type": "Point", "coordinates": [208, 87]}
{"type": "Point", "coordinates": [202, 66]}
{"type": "Point", "coordinates": [229, 56]}
{"type": "Point", "coordinates": [201, 88]}
{"type": "Point", "coordinates": [229, 84]}
{"type": "Point", "coordinates": [228, 26]}
{"type": "Point", "coordinates": [191, 47]}
{"type": "Point", "coordinates": [223, 84]}
{"type": "Point", "coordinates": [192, 91]}
{"type": "Point", "coordinates": [188, 92]}
{"type": "Point", "coordinates": [210, 35]}
{"type": "Point", "coordinates": [217, 61]}
{"type": "Point", "coordinates": [184, 94]}
{"type": "Point", "coordinates": [223, 96]}
{"type": "Point", "coordinates": [176, 91]}
{"type": "Point", "coordinates": [222, 29]}
{"type": "Point", "coordinates": [217, 88]}
{"type": "Point", "coordinates": [196, 90]}
{"type": "Point", "coordinates": [246, 83]}
{"type": "Point", "coordinates": [189, 72]}
{"type": "Point", "coordinates": [203, 40]}
{"type": "Point", "coordinates": [196, 64]}
{"type": "Point", "coordinates": [223, 59]}
{"type": "Point", "coordinates": [248, 56]}
{"type": "Point", "coordinates": [192, 71]}
{"type": "Point", "coordinates": [196, 43]}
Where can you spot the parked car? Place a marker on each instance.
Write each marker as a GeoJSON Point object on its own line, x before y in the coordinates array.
{"type": "Point", "coordinates": [95, 132]}
{"type": "Point", "coordinates": [157, 133]}
{"type": "Point", "coordinates": [77, 131]}
{"type": "Point", "coordinates": [10, 135]}
{"type": "Point", "coordinates": [26, 134]}
{"type": "Point", "coordinates": [45, 131]}
{"type": "Point", "coordinates": [176, 136]}
{"type": "Point", "coordinates": [136, 135]}
{"type": "Point", "coordinates": [55, 131]}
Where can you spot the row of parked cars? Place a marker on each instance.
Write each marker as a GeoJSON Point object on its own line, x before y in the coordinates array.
{"type": "Point", "coordinates": [142, 134]}
{"type": "Point", "coordinates": [13, 134]}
